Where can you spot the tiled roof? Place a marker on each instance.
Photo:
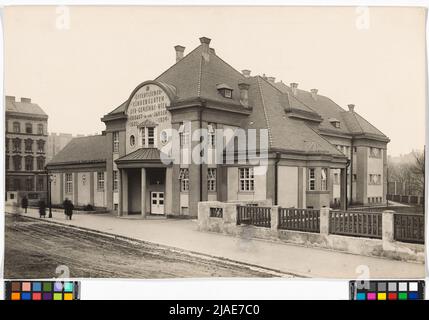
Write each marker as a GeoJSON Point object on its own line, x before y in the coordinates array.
{"type": "Point", "coordinates": [120, 108]}
{"type": "Point", "coordinates": [83, 150]}
{"type": "Point", "coordinates": [142, 154]}
{"type": "Point", "coordinates": [24, 107]}
{"type": "Point", "coordinates": [350, 121]}
{"type": "Point", "coordinates": [285, 133]}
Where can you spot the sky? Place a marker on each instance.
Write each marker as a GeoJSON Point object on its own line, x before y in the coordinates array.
{"type": "Point", "coordinates": [79, 63]}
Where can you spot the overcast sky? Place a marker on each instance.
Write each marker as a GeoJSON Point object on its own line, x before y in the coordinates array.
{"type": "Point", "coordinates": [81, 73]}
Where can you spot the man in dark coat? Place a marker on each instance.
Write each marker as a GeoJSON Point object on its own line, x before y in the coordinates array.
{"type": "Point", "coordinates": [24, 203]}
{"type": "Point", "coordinates": [42, 208]}
{"type": "Point", "coordinates": [68, 208]}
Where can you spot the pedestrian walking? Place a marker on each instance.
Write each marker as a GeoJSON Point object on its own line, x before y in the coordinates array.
{"type": "Point", "coordinates": [24, 204]}
{"type": "Point", "coordinates": [68, 208]}
{"type": "Point", "coordinates": [42, 209]}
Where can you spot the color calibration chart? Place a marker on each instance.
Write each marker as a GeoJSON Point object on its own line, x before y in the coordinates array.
{"type": "Point", "coordinates": [387, 290]}
{"type": "Point", "coordinates": [42, 290]}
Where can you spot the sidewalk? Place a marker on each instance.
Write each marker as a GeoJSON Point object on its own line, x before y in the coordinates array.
{"type": "Point", "coordinates": [299, 260]}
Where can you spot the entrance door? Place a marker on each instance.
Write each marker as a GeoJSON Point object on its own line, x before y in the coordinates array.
{"type": "Point", "coordinates": [157, 202]}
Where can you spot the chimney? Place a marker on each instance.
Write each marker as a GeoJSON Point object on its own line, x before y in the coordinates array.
{"type": "Point", "coordinates": [351, 107]}
{"type": "Point", "coordinates": [246, 73]}
{"type": "Point", "coordinates": [179, 52]}
{"type": "Point", "coordinates": [205, 42]}
{"type": "Point", "coordinates": [314, 93]}
{"type": "Point", "coordinates": [271, 79]}
{"type": "Point", "coordinates": [10, 98]}
{"type": "Point", "coordinates": [244, 94]}
{"type": "Point", "coordinates": [28, 100]}
{"type": "Point", "coordinates": [294, 87]}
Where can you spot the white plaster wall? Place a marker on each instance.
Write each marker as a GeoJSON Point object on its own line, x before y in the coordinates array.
{"type": "Point", "coordinates": [375, 166]}
{"type": "Point", "coordinates": [260, 192]}
{"type": "Point", "coordinates": [83, 193]}
{"type": "Point", "coordinates": [288, 186]}
{"type": "Point", "coordinates": [56, 188]}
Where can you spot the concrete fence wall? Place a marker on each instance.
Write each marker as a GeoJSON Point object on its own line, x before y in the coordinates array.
{"type": "Point", "coordinates": [385, 247]}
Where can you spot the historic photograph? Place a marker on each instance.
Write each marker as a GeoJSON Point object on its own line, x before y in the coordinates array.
{"type": "Point", "coordinates": [179, 142]}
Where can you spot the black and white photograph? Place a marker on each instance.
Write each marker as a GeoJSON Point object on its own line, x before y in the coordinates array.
{"type": "Point", "coordinates": [171, 142]}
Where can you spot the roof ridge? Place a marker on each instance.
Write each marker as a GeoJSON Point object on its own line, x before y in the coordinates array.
{"type": "Point", "coordinates": [270, 135]}
{"type": "Point", "coordinates": [226, 63]}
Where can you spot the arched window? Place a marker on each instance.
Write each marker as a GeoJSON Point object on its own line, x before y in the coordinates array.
{"type": "Point", "coordinates": [28, 128]}
{"type": "Point", "coordinates": [16, 127]}
{"type": "Point", "coordinates": [16, 145]}
{"type": "Point", "coordinates": [17, 163]}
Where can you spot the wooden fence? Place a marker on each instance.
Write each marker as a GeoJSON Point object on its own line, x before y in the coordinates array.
{"type": "Point", "coordinates": [307, 220]}
{"type": "Point", "coordinates": [356, 223]}
{"type": "Point", "coordinates": [255, 216]}
{"type": "Point", "coordinates": [409, 228]}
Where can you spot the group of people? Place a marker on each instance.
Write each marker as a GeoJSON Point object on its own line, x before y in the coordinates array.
{"type": "Point", "coordinates": [67, 205]}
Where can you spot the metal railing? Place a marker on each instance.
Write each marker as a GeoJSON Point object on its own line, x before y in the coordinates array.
{"type": "Point", "coordinates": [356, 223]}
{"type": "Point", "coordinates": [307, 220]}
{"type": "Point", "coordinates": [409, 228]}
{"type": "Point", "coordinates": [256, 216]}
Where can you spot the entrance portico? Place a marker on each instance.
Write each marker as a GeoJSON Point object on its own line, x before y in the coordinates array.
{"type": "Point", "coordinates": [145, 184]}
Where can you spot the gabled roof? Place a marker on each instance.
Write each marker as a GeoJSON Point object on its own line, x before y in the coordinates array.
{"type": "Point", "coordinates": [28, 108]}
{"type": "Point", "coordinates": [82, 150]}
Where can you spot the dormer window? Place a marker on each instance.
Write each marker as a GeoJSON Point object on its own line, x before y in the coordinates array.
{"type": "Point", "coordinates": [224, 90]}
{"type": "Point", "coordinates": [335, 122]}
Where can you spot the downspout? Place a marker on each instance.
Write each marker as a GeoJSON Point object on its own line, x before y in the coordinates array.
{"type": "Point", "coordinates": [351, 172]}
{"type": "Point", "coordinates": [200, 113]}
{"type": "Point", "coordinates": [347, 166]}
{"type": "Point", "coordinates": [276, 184]}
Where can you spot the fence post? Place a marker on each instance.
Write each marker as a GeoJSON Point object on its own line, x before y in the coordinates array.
{"type": "Point", "coordinates": [275, 218]}
{"type": "Point", "coordinates": [324, 221]}
{"type": "Point", "coordinates": [387, 229]}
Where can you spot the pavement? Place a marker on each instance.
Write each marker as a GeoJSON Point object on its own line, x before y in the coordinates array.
{"type": "Point", "coordinates": [288, 258]}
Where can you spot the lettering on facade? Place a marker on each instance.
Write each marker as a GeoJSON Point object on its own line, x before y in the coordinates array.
{"type": "Point", "coordinates": [149, 103]}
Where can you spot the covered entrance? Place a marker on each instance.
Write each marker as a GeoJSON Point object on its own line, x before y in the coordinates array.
{"type": "Point", "coordinates": [145, 184]}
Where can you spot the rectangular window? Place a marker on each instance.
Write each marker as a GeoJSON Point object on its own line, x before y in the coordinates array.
{"type": "Point", "coordinates": [16, 127]}
{"type": "Point", "coordinates": [40, 146]}
{"type": "Point", "coordinates": [143, 137]}
{"type": "Point", "coordinates": [29, 145]}
{"type": "Point", "coordinates": [211, 136]}
{"type": "Point", "coordinates": [246, 179]}
{"type": "Point", "coordinates": [16, 145]}
{"type": "Point", "coordinates": [151, 137]}
{"type": "Point", "coordinates": [184, 135]}
{"type": "Point", "coordinates": [116, 142]}
{"type": "Point", "coordinates": [115, 180]}
{"type": "Point", "coordinates": [184, 179]}
{"type": "Point", "coordinates": [69, 183]}
{"type": "Point", "coordinates": [7, 162]}
{"type": "Point", "coordinates": [354, 177]}
{"type": "Point", "coordinates": [311, 179]}
{"type": "Point", "coordinates": [324, 179]}
{"type": "Point", "coordinates": [7, 144]}
{"type": "Point", "coordinates": [40, 129]}
{"type": "Point", "coordinates": [211, 179]}
{"type": "Point", "coordinates": [29, 182]}
{"type": "Point", "coordinates": [29, 163]}
{"type": "Point", "coordinates": [28, 128]}
{"type": "Point", "coordinates": [100, 181]}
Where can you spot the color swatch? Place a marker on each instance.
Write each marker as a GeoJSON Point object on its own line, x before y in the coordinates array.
{"type": "Point", "coordinates": [387, 290]}
{"type": "Point", "coordinates": [42, 290]}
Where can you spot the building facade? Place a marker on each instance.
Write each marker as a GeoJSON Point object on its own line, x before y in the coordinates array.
{"type": "Point", "coordinates": [317, 153]}
{"type": "Point", "coordinates": [25, 146]}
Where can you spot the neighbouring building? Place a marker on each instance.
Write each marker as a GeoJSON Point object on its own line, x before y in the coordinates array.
{"type": "Point", "coordinates": [319, 154]}
{"type": "Point", "coordinates": [56, 142]}
{"type": "Point", "coordinates": [25, 147]}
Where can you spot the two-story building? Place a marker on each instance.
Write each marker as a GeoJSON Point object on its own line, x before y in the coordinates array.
{"type": "Point", "coordinates": [317, 153]}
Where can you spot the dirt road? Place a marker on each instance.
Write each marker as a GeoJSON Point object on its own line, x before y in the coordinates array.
{"type": "Point", "coordinates": [35, 249]}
